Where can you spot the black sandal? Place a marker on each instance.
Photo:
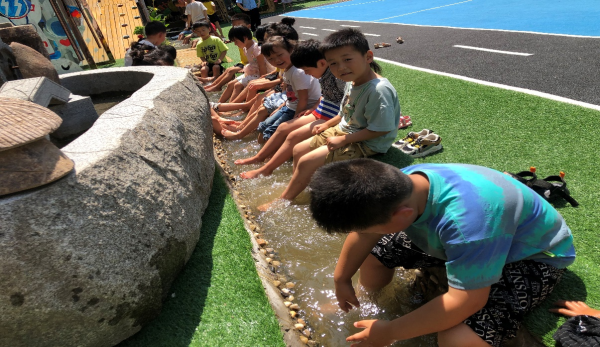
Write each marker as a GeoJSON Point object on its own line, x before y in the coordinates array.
{"type": "Point", "coordinates": [549, 187]}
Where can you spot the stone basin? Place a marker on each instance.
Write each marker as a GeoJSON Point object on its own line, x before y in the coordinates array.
{"type": "Point", "coordinates": [89, 259]}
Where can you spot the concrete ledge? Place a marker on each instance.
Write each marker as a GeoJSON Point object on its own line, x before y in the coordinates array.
{"type": "Point", "coordinates": [89, 259]}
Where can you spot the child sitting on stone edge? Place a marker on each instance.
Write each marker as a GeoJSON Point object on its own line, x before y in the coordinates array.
{"type": "Point", "coordinates": [504, 247]}
{"type": "Point", "coordinates": [369, 113]}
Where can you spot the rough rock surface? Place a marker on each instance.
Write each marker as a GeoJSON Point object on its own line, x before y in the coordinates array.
{"type": "Point", "coordinates": [8, 72]}
{"type": "Point", "coordinates": [32, 63]}
{"type": "Point", "coordinates": [26, 35]}
{"type": "Point", "coordinates": [89, 259]}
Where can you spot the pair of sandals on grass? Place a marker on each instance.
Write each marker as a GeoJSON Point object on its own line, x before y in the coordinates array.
{"type": "Point", "coordinates": [549, 188]}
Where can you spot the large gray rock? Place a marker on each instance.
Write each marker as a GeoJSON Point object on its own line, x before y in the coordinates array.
{"type": "Point", "coordinates": [89, 259]}
{"type": "Point", "coordinates": [24, 34]}
{"type": "Point", "coordinates": [9, 69]}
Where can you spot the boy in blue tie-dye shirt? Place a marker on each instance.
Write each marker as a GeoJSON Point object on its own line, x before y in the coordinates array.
{"type": "Point", "coordinates": [504, 247]}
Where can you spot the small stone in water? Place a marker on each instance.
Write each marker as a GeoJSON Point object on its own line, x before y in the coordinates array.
{"type": "Point", "coordinates": [287, 303]}
{"type": "Point", "coordinates": [270, 250]}
{"type": "Point", "coordinates": [285, 291]}
{"type": "Point", "coordinates": [252, 227]}
{"type": "Point", "coordinates": [276, 263]}
{"type": "Point", "coordinates": [295, 307]}
{"type": "Point", "coordinates": [276, 283]}
{"type": "Point", "coordinates": [306, 332]}
{"type": "Point", "coordinates": [290, 285]}
{"type": "Point", "coordinates": [293, 314]}
{"type": "Point", "coordinates": [299, 326]}
{"type": "Point", "coordinates": [304, 339]}
{"type": "Point", "coordinates": [263, 251]}
{"type": "Point", "coordinates": [434, 279]}
{"type": "Point", "coordinates": [242, 206]}
{"type": "Point", "coordinates": [257, 235]}
{"type": "Point", "coordinates": [269, 260]}
{"type": "Point", "coordinates": [419, 273]}
{"type": "Point", "coordinates": [301, 321]}
{"type": "Point", "coordinates": [261, 242]}
{"type": "Point", "coordinates": [291, 298]}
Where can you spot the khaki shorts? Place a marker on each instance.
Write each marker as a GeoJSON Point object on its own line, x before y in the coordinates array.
{"type": "Point", "coordinates": [350, 151]}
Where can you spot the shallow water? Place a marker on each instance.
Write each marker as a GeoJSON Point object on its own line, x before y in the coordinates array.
{"type": "Point", "coordinates": [308, 256]}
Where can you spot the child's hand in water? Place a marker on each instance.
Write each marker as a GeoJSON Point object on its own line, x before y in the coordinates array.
{"type": "Point", "coordinates": [344, 292]}
{"type": "Point", "coordinates": [335, 142]}
{"type": "Point", "coordinates": [376, 334]}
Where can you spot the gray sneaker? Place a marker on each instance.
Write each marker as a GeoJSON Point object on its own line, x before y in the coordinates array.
{"type": "Point", "coordinates": [423, 146]}
{"type": "Point", "coordinates": [411, 137]}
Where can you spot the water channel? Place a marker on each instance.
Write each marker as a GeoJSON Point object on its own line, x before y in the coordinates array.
{"type": "Point", "coordinates": [308, 256]}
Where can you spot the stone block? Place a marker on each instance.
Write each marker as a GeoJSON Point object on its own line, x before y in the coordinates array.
{"type": "Point", "coordinates": [6, 25]}
{"type": "Point", "coordinates": [78, 115]}
{"type": "Point", "coordinates": [39, 90]}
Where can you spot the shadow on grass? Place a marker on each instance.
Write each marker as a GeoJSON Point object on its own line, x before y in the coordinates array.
{"type": "Point", "coordinates": [395, 157]}
{"type": "Point", "coordinates": [180, 317]}
{"type": "Point", "coordinates": [541, 322]}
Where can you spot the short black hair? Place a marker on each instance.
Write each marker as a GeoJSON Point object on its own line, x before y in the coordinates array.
{"type": "Point", "coordinates": [143, 55]}
{"type": "Point", "coordinates": [356, 194]}
{"type": "Point", "coordinates": [154, 27]}
{"type": "Point", "coordinates": [240, 32]}
{"type": "Point", "coordinates": [283, 28]}
{"type": "Point", "coordinates": [307, 54]}
{"type": "Point", "coordinates": [348, 37]}
{"type": "Point", "coordinates": [172, 51]}
{"type": "Point", "coordinates": [241, 16]}
{"type": "Point", "coordinates": [277, 41]}
{"type": "Point", "coordinates": [200, 24]}
{"type": "Point", "coordinates": [260, 33]}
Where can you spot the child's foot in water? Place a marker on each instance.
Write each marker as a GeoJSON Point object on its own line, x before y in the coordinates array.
{"type": "Point", "coordinates": [230, 135]}
{"type": "Point", "coordinates": [247, 161]}
{"type": "Point", "coordinates": [254, 174]}
{"type": "Point", "coordinates": [273, 204]}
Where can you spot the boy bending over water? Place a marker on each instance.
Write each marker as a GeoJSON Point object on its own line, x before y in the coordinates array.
{"type": "Point", "coordinates": [504, 247]}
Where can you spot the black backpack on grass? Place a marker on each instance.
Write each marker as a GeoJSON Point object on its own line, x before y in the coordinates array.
{"type": "Point", "coordinates": [549, 188]}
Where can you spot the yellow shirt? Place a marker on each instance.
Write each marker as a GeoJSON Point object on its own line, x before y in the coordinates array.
{"type": "Point", "coordinates": [243, 58]}
{"type": "Point", "coordinates": [210, 9]}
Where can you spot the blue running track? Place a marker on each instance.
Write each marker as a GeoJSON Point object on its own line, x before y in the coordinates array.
{"type": "Point", "coordinates": [563, 17]}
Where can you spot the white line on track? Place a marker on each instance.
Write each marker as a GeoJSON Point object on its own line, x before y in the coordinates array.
{"type": "Point", "coordinates": [493, 50]}
{"type": "Point", "coordinates": [428, 9]}
{"type": "Point", "coordinates": [370, 34]}
{"type": "Point", "coordinates": [307, 28]}
{"type": "Point", "coordinates": [328, 29]}
{"type": "Point", "coordinates": [350, 26]}
{"type": "Point", "coordinates": [451, 27]}
{"type": "Point", "coordinates": [309, 34]}
{"type": "Point", "coordinates": [497, 85]}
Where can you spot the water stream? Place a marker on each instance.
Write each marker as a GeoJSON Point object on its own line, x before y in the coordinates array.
{"type": "Point", "coordinates": [308, 256]}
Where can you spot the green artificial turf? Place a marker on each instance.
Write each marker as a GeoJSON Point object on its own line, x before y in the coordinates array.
{"type": "Point", "coordinates": [511, 131]}
{"type": "Point", "coordinates": [218, 299]}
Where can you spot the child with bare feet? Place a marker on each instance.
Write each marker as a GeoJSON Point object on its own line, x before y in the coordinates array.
{"type": "Point", "coordinates": [211, 50]}
{"type": "Point", "coordinates": [369, 117]}
{"type": "Point", "coordinates": [308, 57]}
{"type": "Point", "coordinates": [256, 67]}
{"type": "Point", "coordinates": [229, 74]}
{"type": "Point", "coordinates": [302, 91]}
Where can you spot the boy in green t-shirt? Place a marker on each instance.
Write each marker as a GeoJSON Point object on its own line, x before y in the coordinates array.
{"type": "Point", "coordinates": [211, 50]}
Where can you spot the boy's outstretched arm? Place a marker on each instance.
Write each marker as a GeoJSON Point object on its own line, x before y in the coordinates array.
{"type": "Point", "coordinates": [354, 252]}
{"type": "Point", "coordinates": [442, 313]}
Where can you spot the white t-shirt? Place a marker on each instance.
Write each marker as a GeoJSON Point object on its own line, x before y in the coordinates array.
{"type": "Point", "coordinates": [252, 53]}
{"type": "Point", "coordinates": [296, 79]}
{"type": "Point", "coordinates": [196, 10]}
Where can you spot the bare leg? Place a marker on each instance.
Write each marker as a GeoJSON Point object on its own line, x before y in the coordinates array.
{"type": "Point", "coordinates": [228, 106]}
{"type": "Point", "coordinates": [460, 335]}
{"type": "Point", "coordinates": [306, 166]}
{"type": "Point", "coordinates": [216, 71]}
{"type": "Point", "coordinates": [204, 71]}
{"type": "Point", "coordinates": [226, 77]}
{"type": "Point", "coordinates": [227, 93]}
{"type": "Point", "coordinates": [237, 89]}
{"type": "Point", "coordinates": [219, 29]}
{"type": "Point", "coordinates": [241, 97]}
{"type": "Point", "coordinates": [280, 146]}
{"type": "Point", "coordinates": [248, 128]}
{"type": "Point", "coordinates": [374, 275]}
